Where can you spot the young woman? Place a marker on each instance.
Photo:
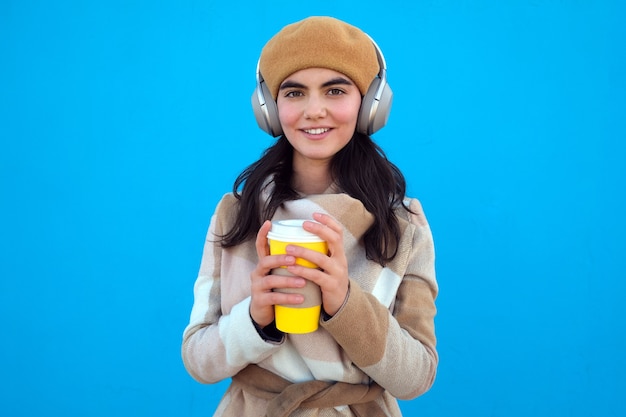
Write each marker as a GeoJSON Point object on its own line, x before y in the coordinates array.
{"type": "Point", "coordinates": [376, 340]}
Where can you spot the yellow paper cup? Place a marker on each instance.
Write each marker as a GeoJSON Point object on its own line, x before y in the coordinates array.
{"type": "Point", "coordinates": [290, 232]}
{"type": "Point", "coordinates": [297, 320]}
{"type": "Point", "coordinates": [301, 318]}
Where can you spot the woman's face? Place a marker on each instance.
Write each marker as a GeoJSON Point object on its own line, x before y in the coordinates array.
{"type": "Point", "coordinates": [318, 110]}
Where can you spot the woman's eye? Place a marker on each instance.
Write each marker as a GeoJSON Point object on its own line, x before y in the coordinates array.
{"type": "Point", "coordinates": [293, 94]}
{"type": "Point", "coordinates": [335, 91]}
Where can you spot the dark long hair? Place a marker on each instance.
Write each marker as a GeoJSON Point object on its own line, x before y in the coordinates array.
{"type": "Point", "coordinates": [361, 169]}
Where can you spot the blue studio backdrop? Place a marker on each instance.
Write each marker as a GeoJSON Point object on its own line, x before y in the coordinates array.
{"type": "Point", "coordinates": [122, 123]}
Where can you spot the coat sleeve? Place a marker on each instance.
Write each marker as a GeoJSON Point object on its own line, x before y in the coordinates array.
{"type": "Point", "coordinates": [396, 348]}
{"type": "Point", "coordinates": [215, 345]}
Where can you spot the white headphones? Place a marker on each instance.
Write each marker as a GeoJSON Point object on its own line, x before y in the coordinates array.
{"type": "Point", "coordinates": [373, 115]}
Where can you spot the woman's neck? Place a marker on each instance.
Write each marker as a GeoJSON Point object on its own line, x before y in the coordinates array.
{"type": "Point", "coordinates": [312, 179]}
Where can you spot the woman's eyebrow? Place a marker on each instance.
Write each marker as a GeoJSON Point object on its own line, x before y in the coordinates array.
{"type": "Point", "coordinates": [335, 81]}
{"type": "Point", "coordinates": [291, 84]}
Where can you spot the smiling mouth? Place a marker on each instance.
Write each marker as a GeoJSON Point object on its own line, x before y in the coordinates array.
{"type": "Point", "coordinates": [316, 131]}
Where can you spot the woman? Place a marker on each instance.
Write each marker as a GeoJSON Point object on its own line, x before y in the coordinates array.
{"type": "Point", "coordinates": [376, 339]}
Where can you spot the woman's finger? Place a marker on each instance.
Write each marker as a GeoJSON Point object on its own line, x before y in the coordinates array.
{"type": "Point", "coordinates": [327, 229]}
{"type": "Point", "coordinates": [262, 247]}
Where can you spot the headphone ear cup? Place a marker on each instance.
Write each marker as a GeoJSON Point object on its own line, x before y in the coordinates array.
{"type": "Point", "coordinates": [265, 110]}
{"type": "Point", "coordinates": [374, 111]}
{"type": "Point", "coordinates": [381, 115]}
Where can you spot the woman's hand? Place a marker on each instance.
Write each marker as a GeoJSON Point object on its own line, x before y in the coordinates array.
{"type": "Point", "coordinates": [263, 298]}
{"type": "Point", "coordinates": [332, 277]}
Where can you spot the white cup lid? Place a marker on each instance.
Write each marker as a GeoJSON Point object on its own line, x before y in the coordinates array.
{"type": "Point", "coordinates": [291, 231]}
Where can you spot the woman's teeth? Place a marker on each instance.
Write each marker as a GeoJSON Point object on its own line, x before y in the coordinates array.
{"type": "Point", "coordinates": [317, 131]}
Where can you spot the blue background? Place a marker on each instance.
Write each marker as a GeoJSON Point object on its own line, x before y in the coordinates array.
{"type": "Point", "coordinates": [122, 123]}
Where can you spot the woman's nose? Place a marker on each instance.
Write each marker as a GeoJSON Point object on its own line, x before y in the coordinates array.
{"type": "Point", "coordinates": [315, 108]}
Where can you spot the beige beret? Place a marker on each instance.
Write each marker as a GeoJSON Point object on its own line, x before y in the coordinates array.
{"type": "Point", "coordinates": [319, 42]}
